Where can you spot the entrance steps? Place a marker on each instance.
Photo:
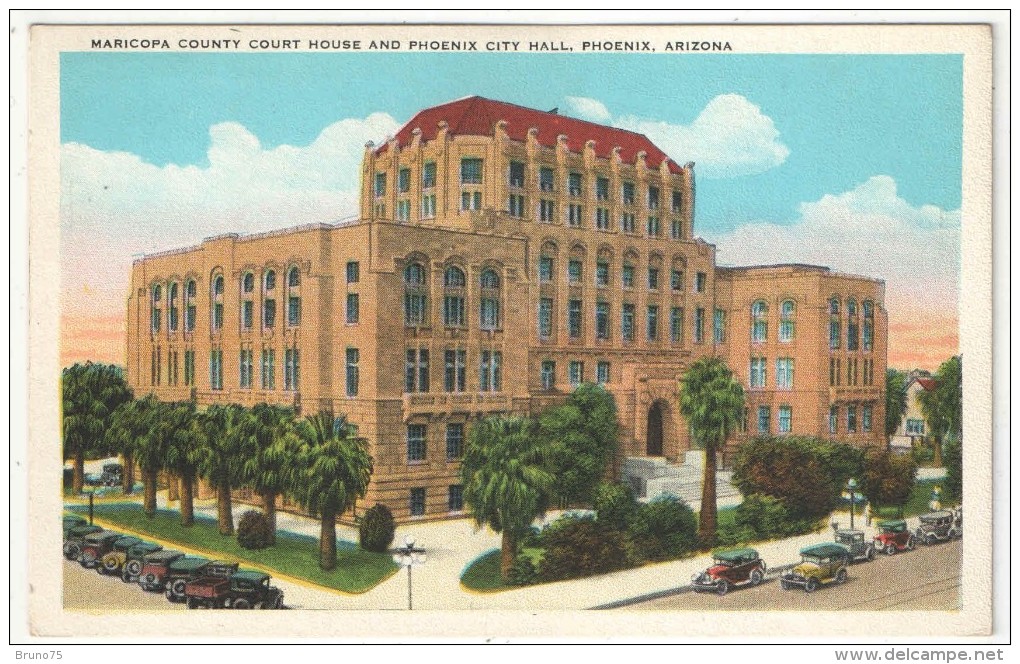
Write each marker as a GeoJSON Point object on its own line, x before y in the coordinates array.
{"type": "Point", "coordinates": [651, 477]}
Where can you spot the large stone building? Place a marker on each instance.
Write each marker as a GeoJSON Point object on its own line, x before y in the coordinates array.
{"type": "Point", "coordinates": [503, 256]}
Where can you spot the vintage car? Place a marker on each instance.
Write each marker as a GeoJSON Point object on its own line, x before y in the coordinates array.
{"type": "Point", "coordinates": [938, 527]}
{"type": "Point", "coordinates": [131, 569]}
{"type": "Point", "coordinates": [73, 521]}
{"type": "Point", "coordinates": [155, 567]}
{"type": "Point", "coordinates": [112, 561]}
{"type": "Point", "coordinates": [244, 589]}
{"type": "Point", "coordinates": [74, 537]}
{"type": "Point", "coordinates": [730, 568]}
{"type": "Point", "coordinates": [97, 545]}
{"type": "Point", "coordinates": [860, 549]}
{"type": "Point", "coordinates": [820, 564]}
{"type": "Point", "coordinates": [183, 571]}
{"type": "Point", "coordinates": [112, 475]}
{"type": "Point", "coordinates": [893, 536]}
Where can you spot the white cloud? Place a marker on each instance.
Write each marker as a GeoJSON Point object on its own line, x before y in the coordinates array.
{"type": "Point", "coordinates": [868, 230]}
{"type": "Point", "coordinates": [588, 108]}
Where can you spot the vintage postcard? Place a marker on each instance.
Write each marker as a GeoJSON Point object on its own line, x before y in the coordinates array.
{"type": "Point", "coordinates": [661, 332]}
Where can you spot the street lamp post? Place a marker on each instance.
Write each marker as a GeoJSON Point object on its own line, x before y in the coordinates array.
{"type": "Point", "coordinates": [851, 485]}
{"type": "Point", "coordinates": [409, 556]}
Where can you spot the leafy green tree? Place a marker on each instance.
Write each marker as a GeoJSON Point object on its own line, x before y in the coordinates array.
{"type": "Point", "coordinates": [127, 427]}
{"type": "Point", "coordinates": [506, 479]}
{"type": "Point", "coordinates": [712, 402]}
{"type": "Point", "coordinates": [953, 458]}
{"type": "Point", "coordinates": [221, 457]}
{"type": "Point", "coordinates": [888, 478]}
{"type": "Point", "coordinates": [615, 505]}
{"type": "Point", "coordinates": [150, 448]}
{"type": "Point", "coordinates": [178, 435]}
{"type": "Point", "coordinates": [943, 406]}
{"type": "Point", "coordinates": [269, 442]}
{"type": "Point", "coordinates": [335, 469]}
{"type": "Point", "coordinates": [895, 399]}
{"type": "Point", "coordinates": [581, 435]}
{"type": "Point", "coordinates": [90, 393]}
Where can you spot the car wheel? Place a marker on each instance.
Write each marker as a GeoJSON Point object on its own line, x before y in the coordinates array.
{"type": "Point", "coordinates": [841, 576]}
{"type": "Point", "coordinates": [259, 606]}
{"type": "Point", "coordinates": [87, 559]}
{"type": "Point", "coordinates": [953, 534]}
{"type": "Point", "coordinates": [911, 543]}
{"type": "Point", "coordinates": [242, 603]}
{"type": "Point", "coordinates": [177, 588]}
{"type": "Point", "coordinates": [811, 585]}
{"type": "Point", "coordinates": [784, 585]}
{"type": "Point", "coordinates": [133, 567]}
{"type": "Point", "coordinates": [931, 539]}
{"type": "Point", "coordinates": [871, 553]}
{"type": "Point", "coordinates": [890, 549]}
{"type": "Point", "coordinates": [756, 577]}
{"type": "Point", "coordinates": [110, 566]}
{"type": "Point", "coordinates": [722, 587]}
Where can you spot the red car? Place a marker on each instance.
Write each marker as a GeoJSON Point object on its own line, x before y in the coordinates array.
{"type": "Point", "coordinates": [730, 568]}
{"type": "Point", "coordinates": [155, 567]}
{"type": "Point", "coordinates": [893, 536]}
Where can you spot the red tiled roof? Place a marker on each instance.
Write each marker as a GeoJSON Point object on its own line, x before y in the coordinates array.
{"type": "Point", "coordinates": [477, 116]}
{"type": "Point", "coordinates": [927, 383]}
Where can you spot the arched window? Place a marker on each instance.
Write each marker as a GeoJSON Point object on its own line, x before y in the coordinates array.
{"type": "Point", "coordinates": [759, 321]}
{"type": "Point", "coordinates": [835, 328]}
{"type": "Point", "coordinates": [156, 318]}
{"type": "Point", "coordinates": [851, 307]}
{"type": "Point", "coordinates": [293, 297]}
{"type": "Point", "coordinates": [172, 304]}
{"type": "Point", "coordinates": [269, 300]}
{"type": "Point", "coordinates": [415, 298]}
{"type": "Point", "coordinates": [216, 319]}
{"type": "Point", "coordinates": [630, 259]}
{"type": "Point", "coordinates": [294, 277]}
{"type": "Point", "coordinates": [868, 341]}
{"type": "Point", "coordinates": [834, 306]}
{"type": "Point", "coordinates": [852, 326]}
{"type": "Point", "coordinates": [787, 313]}
{"type": "Point", "coordinates": [269, 282]}
{"type": "Point", "coordinates": [547, 263]}
{"type": "Point", "coordinates": [247, 304]}
{"type": "Point", "coordinates": [248, 282]}
{"type": "Point", "coordinates": [453, 297]}
{"type": "Point", "coordinates": [190, 294]}
{"type": "Point", "coordinates": [489, 307]}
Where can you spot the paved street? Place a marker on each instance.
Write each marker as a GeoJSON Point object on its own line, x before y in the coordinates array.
{"type": "Point", "coordinates": [926, 579]}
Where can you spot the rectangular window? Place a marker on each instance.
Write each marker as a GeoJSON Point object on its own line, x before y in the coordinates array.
{"type": "Point", "coordinates": [785, 419]}
{"type": "Point", "coordinates": [574, 184]}
{"type": "Point", "coordinates": [574, 318]}
{"type": "Point", "coordinates": [834, 334]}
{"type": "Point", "coordinates": [915, 427]}
{"type": "Point", "coordinates": [428, 175]}
{"type": "Point", "coordinates": [653, 278]}
{"type": "Point", "coordinates": [652, 227]}
{"type": "Point", "coordinates": [602, 372]}
{"type": "Point", "coordinates": [833, 419]}
{"type": "Point", "coordinates": [156, 318]}
{"type": "Point", "coordinates": [516, 205]}
{"type": "Point", "coordinates": [699, 282]}
{"type": "Point", "coordinates": [575, 270]}
{"type": "Point", "coordinates": [415, 308]}
{"type": "Point", "coordinates": [548, 374]}
{"type": "Point", "coordinates": [353, 377]}
{"type": "Point", "coordinates": [576, 373]}
{"type": "Point", "coordinates": [602, 320]}
{"type": "Point", "coordinates": [268, 369]}
{"type": "Point", "coordinates": [627, 323]}
{"type": "Point", "coordinates": [245, 369]}
{"type": "Point", "coordinates": [868, 339]}
{"type": "Point", "coordinates": [545, 178]}
{"type": "Point", "coordinates": [652, 322]}
{"type": "Point", "coordinates": [293, 311]}
{"type": "Point", "coordinates": [490, 313]}
{"type": "Point", "coordinates": [602, 274]}
{"type": "Point", "coordinates": [490, 371]}
{"type": "Point", "coordinates": [455, 498]}
{"type": "Point", "coordinates": [216, 369]}
{"type": "Point", "coordinates": [653, 198]}
{"type": "Point", "coordinates": [545, 269]}
{"type": "Point", "coordinates": [470, 171]}
{"type": "Point", "coordinates": [719, 326]}
{"type": "Point", "coordinates": [785, 330]}
{"type": "Point", "coordinates": [291, 370]}
{"type": "Point", "coordinates": [677, 202]}
{"type": "Point", "coordinates": [676, 229]}
{"type": "Point", "coordinates": [455, 374]}
{"type": "Point", "coordinates": [410, 370]}
{"type": "Point", "coordinates": [545, 317]}
{"type": "Point", "coordinates": [404, 180]}
{"type": "Point", "coordinates": [416, 434]}
{"type": "Point", "coordinates": [676, 280]}
{"type": "Point", "coordinates": [546, 211]}
{"type": "Point", "coordinates": [189, 367]}
{"type": "Point", "coordinates": [602, 189]}
{"type": "Point", "coordinates": [352, 308]}
{"type": "Point", "coordinates": [428, 206]}
{"type": "Point", "coordinates": [627, 192]}
{"type": "Point", "coordinates": [453, 311]}
{"type": "Point", "coordinates": [850, 373]}
{"type": "Point", "coordinates": [602, 218]}
{"type": "Point", "coordinates": [784, 373]}
{"type": "Point", "coordinates": [764, 417]}
{"type": "Point", "coordinates": [628, 276]}
{"type": "Point", "coordinates": [851, 336]}
{"type": "Point", "coordinates": [454, 441]}
{"type": "Point", "coordinates": [851, 418]}
{"type": "Point", "coordinates": [403, 210]}
{"type": "Point", "coordinates": [418, 501]}
{"type": "Point", "coordinates": [217, 319]}
{"type": "Point", "coordinates": [172, 318]}
{"type": "Point", "coordinates": [699, 325]}
{"type": "Point", "coordinates": [190, 312]}
{"type": "Point", "coordinates": [269, 314]}
{"type": "Point", "coordinates": [758, 372]}
{"type": "Point", "coordinates": [247, 314]}
{"type": "Point", "coordinates": [470, 200]}
{"type": "Point", "coordinates": [627, 222]}
{"type": "Point", "coordinates": [676, 325]}
{"type": "Point", "coordinates": [575, 214]}
{"type": "Point", "coordinates": [866, 418]}
{"type": "Point", "coordinates": [380, 184]}
{"type": "Point", "coordinates": [516, 174]}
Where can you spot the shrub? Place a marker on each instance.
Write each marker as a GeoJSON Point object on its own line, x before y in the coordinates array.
{"type": "Point", "coordinates": [923, 454]}
{"type": "Point", "coordinates": [254, 530]}
{"type": "Point", "coordinates": [664, 529]}
{"type": "Point", "coordinates": [733, 535]}
{"type": "Point", "coordinates": [952, 457]}
{"type": "Point", "coordinates": [615, 505]}
{"type": "Point", "coordinates": [522, 572]}
{"type": "Point", "coordinates": [888, 478]}
{"type": "Point", "coordinates": [765, 517]}
{"type": "Point", "coordinates": [376, 529]}
{"type": "Point", "coordinates": [581, 547]}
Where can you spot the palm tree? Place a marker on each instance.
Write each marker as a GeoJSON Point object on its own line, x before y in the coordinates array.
{"type": "Point", "coordinates": [220, 462]}
{"type": "Point", "coordinates": [149, 449]}
{"type": "Point", "coordinates": [183, 451]}
{"type": "Point", "coordinates": [268, 445]}
{"type": "Point", "coordinates": [506, 478]}
{"type": "Point", "coordinates": [335, 469]}
{"type": "Point", "coordinates": [713, 404]}
{"type": "Point", "coordinates": [127, 426]}
{"type": "Point", "coordinates": [90, 394]}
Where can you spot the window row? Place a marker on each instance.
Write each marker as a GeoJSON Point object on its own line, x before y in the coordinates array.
{"type": "Point", "coordinates": [573, 214]}
{"type": "Point", "coordinates": [454, 499]}
{"type": "Point", "coordinates": [867, 306]}
{"type": "Point", "coordinates": [760, 321]}
{"type": "Point", "coordinates": [653, 327]}
{"type": "Point", "coordinates": [849, 414]}
{"type": "Point", "coordinates": [858, 372]}
{"type": "Point", "coordinates": [417, 442]}
{"type": "Point", "coordinates": [575, 373]}
{"type": "Point", "coordinates": [247, 378]}
{"type": "Point", "coordinates": [416, 302]}
{"type": "Point", "coordinates": [856, 338]}
{"type": "Point", "coordinates": [418, 371]}
{"type": "Point", "coordinates": [603, 275]}
{"type": "Point", "coordinates": [759, 373]}
{"type": "Point", "coordinates": [784, 420]}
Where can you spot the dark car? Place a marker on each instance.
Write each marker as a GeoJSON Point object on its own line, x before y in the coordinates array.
{"type": "Point", "coordinates": [893, 536]}
{"type": "Point", "coordinates": [860, 549]}
{"type": "Point", "coordinates": [730, 568]}
{"type": "Point", "coordinates": [73, 521]}
{"type": "Point", "coordinates": [131, 569]}
{"type": "Point", "coordinates": [75, 537]}
{"type": "Point", "coordinates": [111, 561]}
{"type": "Point", "coordinates": [244, 589]}
{"type": "Point", "coordinates": [155, 567]}
{"type": "Point", "coordinates": [185, 570]}
{"type": "Point", "coordinates": [97, 545]}
{"type": "Point", "coordinates": [938, 527]}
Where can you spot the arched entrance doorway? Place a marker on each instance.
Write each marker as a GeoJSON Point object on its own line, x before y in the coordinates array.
{"type": "Point", "coordinates": [654, 429]}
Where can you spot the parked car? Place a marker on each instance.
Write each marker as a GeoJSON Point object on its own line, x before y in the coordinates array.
{"type": "Point", "coordinates": [820, 564]}
{"type": "Point", "coordinates": [97, 545]}
{"type": "Point", "coordinates": [860, 549]}
{"type": "Point", "coordinates": [243, 589]}
{"type": "Point", "coordinates": [73, 521]}
{"type": "Point", "coordinates": [111, 561]}
{"type": "Point", "coordinates": [893, 536]}
{"type": "Point", "coordinates": [155, 567]}
{"type": "Point", "coordinates": [938, 527]}
{"type": "Point", "coordinates": [131, 569]}
{"type": "Point", "coordinates": [730, 568]}
{"type": "Point", "coordinates": [75, 537]}
{"type": "Point", "coordinates": [185, 570]}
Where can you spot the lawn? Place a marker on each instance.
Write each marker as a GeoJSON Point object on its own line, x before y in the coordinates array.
{"type": "Point", "coordinates": [917, 503]}
{"type": "Point", "coordinates": [295, 555]}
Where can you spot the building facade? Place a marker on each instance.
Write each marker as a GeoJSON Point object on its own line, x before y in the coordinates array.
{"type": "Point", "coordinates": [913, 426]}
{"type": "Point", "coordinates": [503, 256]}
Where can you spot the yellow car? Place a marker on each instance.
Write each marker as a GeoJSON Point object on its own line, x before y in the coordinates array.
{"type": "Point", "coordinates": [820, 564]}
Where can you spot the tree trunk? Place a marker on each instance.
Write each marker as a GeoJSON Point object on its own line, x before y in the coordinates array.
{"type": "Point", "coordinates": [173, 487]}
{"type": "Point", "coordinates": [151, 478]}
{"type": "Point", "coordinates": [327, 542]}
{"type": "Point", "coordinates": [225, 509]}
{"type": "Point", "coordinates": [707, 519]}
{"type": "Point", "coordinates": [507, 555]}
{"type": "Point", "coordinates": [936, 443]}
{"type": "Point", "coordinates": [128, 478]}
{"type": "Point", "coordinates": [78, 483]}
{"type": "Point", "coordinates": [269, 504]}
{"type": "Point", "coordinates": [187, 500]}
